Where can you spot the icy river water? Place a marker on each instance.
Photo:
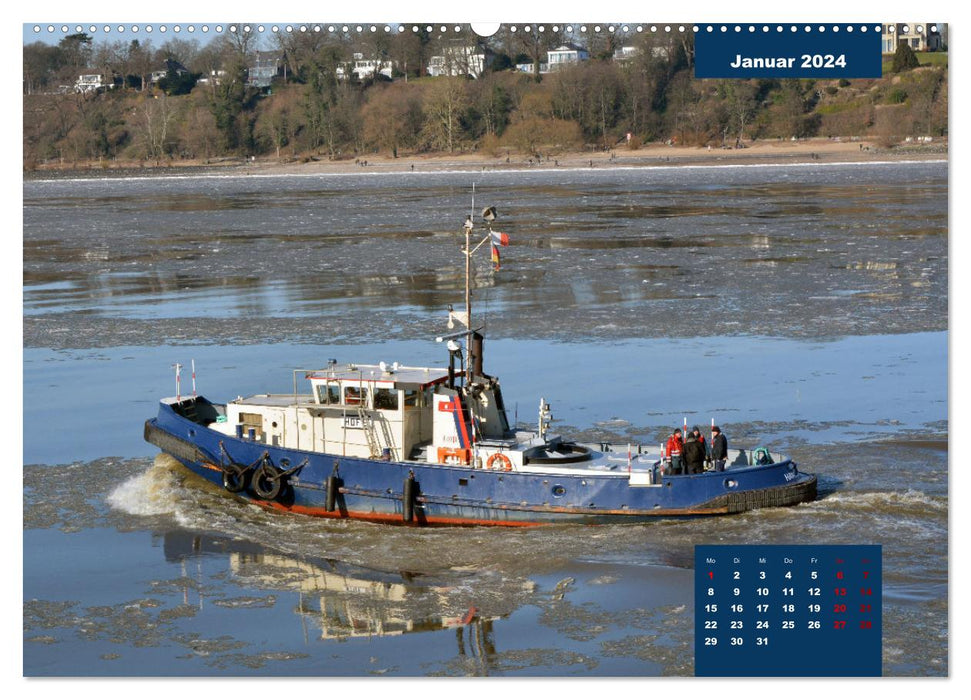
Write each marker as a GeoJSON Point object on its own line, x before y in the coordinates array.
{"type": "Point", "coordinates": [802, 307]}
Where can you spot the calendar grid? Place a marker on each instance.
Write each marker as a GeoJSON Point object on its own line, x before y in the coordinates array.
{"type": "Point", "coordinates": [788, 610]}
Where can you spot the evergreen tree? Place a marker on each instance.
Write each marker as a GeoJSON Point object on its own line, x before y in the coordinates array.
{"type": "Point", "coordinates": [904, 58]}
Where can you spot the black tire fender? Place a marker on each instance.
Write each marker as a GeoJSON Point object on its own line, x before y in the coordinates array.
{"type": "Point", "coordinates": [234, 480]}
{"type": "Point", "coordinates": [267, 483]}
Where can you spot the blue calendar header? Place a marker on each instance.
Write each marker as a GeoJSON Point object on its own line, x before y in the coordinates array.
{"type": "Point", "coordinates": [788, 51]}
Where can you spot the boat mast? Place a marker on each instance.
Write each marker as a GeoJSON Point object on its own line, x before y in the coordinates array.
{"type": "Point", "coordinates": [468, 292]}
{"type": "Point", "coordinates": [488, 215]}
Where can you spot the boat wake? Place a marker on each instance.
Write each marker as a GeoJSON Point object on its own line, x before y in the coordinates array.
{"type": "Point", "coordinates": [152, 492]}
{"type": "Point", "coordinates": [901, 503]}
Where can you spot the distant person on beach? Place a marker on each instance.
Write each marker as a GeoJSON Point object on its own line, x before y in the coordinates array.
{"type": "Point", "coordinates": [719, 449]}
{"type": "Point", "coordinates": [674, 449]}
{"type": "Point", "coordinates": [694, 454]}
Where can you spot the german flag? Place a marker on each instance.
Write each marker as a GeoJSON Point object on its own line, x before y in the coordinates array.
{"type": "Point", "coordinates": [498, 239]}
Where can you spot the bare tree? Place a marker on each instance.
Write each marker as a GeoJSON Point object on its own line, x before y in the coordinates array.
{"type": "Point", "coordinates": [276, 120]}
{"type": "Point", "coordinates": [184, 51]}
{"type": "Point", "coordinates": [209, 61]}
{"type": "Point", "coordinates": [41, 64]}
{"type": "Point", "coordinates": [200, 134]}
{"type": "Point", "coordinates": [156, 113]}
{"type": "Point", "coordinates": [299, 48]}
{"type": "Point", "coordinates": [532, 42]}
{"type": "Point", "coordinates": [241, 38]}
{"type": "Point", "coordinates": [683, 107]}
{"type": "Point", "coordinates": [740, 102]}
{"type": "Point", "coordinates": [412, 50]}
{"type": "Point", "coordinates": [141, 61]}
{"type": "Point", "coordinates": [108, 58]}
{"type": "Point", "coordinates": [923, 92]}
{"type": "Point", "coordinates": [602, 45]}
{"type": "Point", "coordinates": [444, 101]}
{"type": "Point", "coordinates": [391, 117]}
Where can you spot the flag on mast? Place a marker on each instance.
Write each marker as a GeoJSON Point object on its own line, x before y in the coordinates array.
{"type": "Point", "coordinates": [498, 239]}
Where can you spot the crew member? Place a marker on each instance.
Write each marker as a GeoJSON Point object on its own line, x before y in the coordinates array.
{"type": "Point", "coordinates": [696, 431]}
{"type": "Point", "coordinates": [674, 449]}
{"type": "Point", "coordinates": [700, 437]}
{"type": "Point", "coordinates": [694, 454]}
{"type": "Point", "coordinates": [719, 448]}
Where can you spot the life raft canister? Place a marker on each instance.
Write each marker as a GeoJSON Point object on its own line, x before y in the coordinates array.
{"type": "Point", "coordinates": [447, 455]}
{"type": "Point", "coordinates": [499, 461]}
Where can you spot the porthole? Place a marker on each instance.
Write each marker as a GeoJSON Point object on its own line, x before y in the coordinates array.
{"type": "Point", "coordinates": [558, 491]}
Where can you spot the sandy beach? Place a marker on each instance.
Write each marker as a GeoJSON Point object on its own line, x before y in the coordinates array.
{"type": "Point", "coordinates": [650, 155]}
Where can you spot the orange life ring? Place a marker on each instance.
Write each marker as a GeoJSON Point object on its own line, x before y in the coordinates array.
{"type": "Point", "coordinates": [504, 463]}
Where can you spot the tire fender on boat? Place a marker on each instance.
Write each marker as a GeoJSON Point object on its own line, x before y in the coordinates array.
{"type": "Point", "coordinates": [504, 463]}
{"type": "Point", "coordinates": [267, 482]}
{"type": "Point", "coordinates": [234, 480]}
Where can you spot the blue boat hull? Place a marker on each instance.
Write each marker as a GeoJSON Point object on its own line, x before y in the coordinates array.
{"type": "Point", "coordinates": [335, 486]}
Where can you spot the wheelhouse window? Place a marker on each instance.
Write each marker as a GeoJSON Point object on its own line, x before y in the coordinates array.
{"type": "Point", "coordinates": [412, 398]}
{"type": "Point", "coordinates": [355, 395]}
{"type": "Point", "coordinates": [251, 420]}
{"type": "Point", "coordinates": [328, 394]}
{"type": "Point", "coordinates": [386, 399]}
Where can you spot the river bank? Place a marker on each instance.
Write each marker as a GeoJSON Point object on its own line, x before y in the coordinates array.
{"type": "Point", "coordinates": [651, 155]}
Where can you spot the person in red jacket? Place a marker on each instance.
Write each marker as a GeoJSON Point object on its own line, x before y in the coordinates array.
{"type": "Point", "coordinates": [674, 450]}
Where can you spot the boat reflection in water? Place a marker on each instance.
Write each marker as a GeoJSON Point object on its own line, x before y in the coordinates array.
{"type": "Point", "coordinates": [347, 600]}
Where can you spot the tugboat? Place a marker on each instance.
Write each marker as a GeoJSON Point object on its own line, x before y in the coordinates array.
{"type": "Point", "coordinates": [431, 446]}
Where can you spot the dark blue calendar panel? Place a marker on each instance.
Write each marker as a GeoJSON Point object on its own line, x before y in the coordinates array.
{"type": "Point", "coordinates": [788, 610]}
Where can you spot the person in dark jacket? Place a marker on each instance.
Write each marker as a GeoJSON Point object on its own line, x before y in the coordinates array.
{"type": "Point", "coordinates": [699, 436]}
{"type": "Point", "coordinates": [719, 448]}
{"type": "Point", "coordinates": [696, 431]}
{"type": "Point", "coordinates": [694, 455]}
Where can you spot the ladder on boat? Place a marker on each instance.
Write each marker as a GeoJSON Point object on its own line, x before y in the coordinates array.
{"type": "Point", "coordinates": [368, 426]}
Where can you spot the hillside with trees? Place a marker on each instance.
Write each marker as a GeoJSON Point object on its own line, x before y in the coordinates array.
{"type": "Point", "coordinates": [186, 103]}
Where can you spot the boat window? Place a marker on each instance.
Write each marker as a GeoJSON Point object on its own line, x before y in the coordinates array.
{"type": "Point", "coordinates": [328, 393]}
{"type": "Point", "coordinates": [355, 396]}
{"type": "Point", "coordinates": [386, 399]}
{"type": "Point", "coordinates": [253, 419]}
{"type": "Point", "coordinates": [412, 398]}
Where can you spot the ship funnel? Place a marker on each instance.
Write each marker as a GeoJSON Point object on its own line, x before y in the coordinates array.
{"type": "Point", "coordinates": [477, 341]}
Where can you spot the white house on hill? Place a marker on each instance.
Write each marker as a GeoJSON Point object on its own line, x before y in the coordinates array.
{"type": "Point", "coordinates": [565, 55]}
{"type": "Point", "coordinates": [459, 60]}
{"type": "Point", "coordinates": [362, 68]}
